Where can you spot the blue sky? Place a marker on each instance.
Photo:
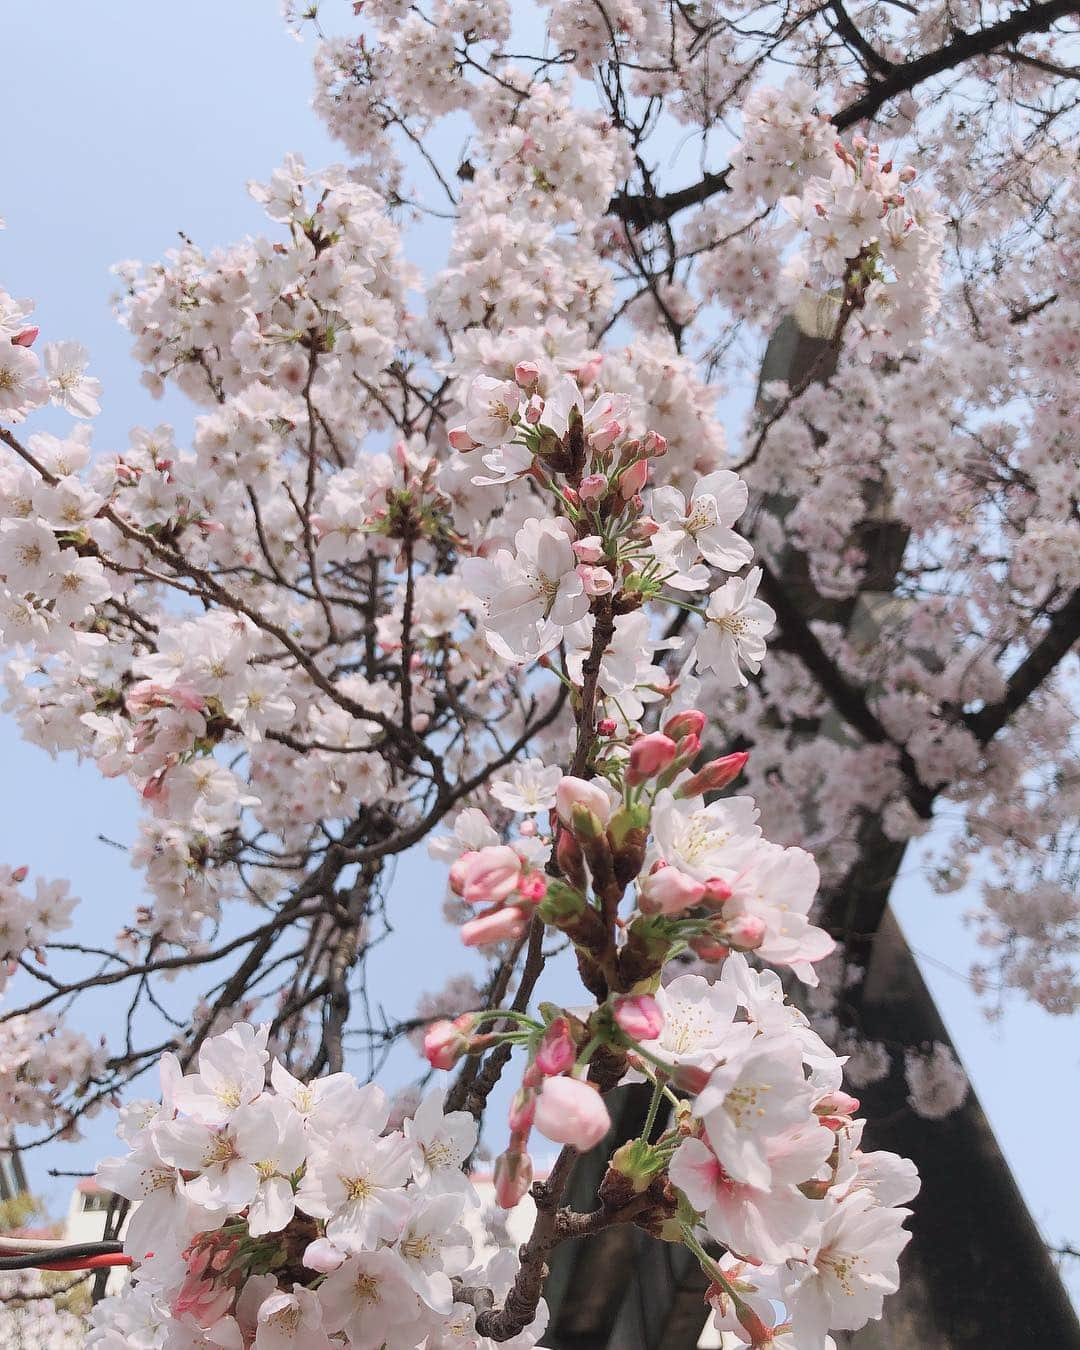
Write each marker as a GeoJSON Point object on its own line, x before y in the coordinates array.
{"type": "Point", "coordinates": [136, 120]}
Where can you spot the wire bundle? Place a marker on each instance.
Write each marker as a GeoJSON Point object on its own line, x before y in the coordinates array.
{"type": "Point", "coordinates": [18, 1253]}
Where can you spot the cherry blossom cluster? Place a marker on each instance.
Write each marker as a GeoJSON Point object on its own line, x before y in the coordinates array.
{"type": "Point", "coordinates": [28, 381]}
{"type": "Point", "coordinates": [274, 1213]}
{"type": "Point", "coordinates": [41, 1059]}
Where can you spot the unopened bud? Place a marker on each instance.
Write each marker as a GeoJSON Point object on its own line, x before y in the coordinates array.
{"type": "Point", "coordinates": [586, 824]}
{"type": "Point", "coordinates": [590, 549]}
{"type": "Point", "coordinates": [557, 1050]}
{"type": "Point", "coordinates": [522, 1111]}
{"type": "Point", "coordinates": [639, 1016]}
{"type": "Point", "coordinates": [460, 439]}
{"type": "Point", "coordinates": [838, 1103]}
{"type": "Point", "coordinates": [445, 1042]}
{"type": "Point", "coordinates": [593, 487]}
{"type": "Point", "coordinates": [690, 1078]}
{"type": "Point", "coordinates": [595, 580]}
{"type": "Point", "coordinates": [503, 925]}
{"type": "Point", "coordinates": [650, 755]}
{"type": "Point", "coordinates": [578, 791]}
{"type": "Point", "coordinates": [633, 479]}
{"type": "Point", "coordinates": [690, 722]}
{"type": "Point", "coordinates": [745, 933]}
{"type": "Point", "coordinates": [513, 1177]}
{"type": "Point", "coordinates": [527, 373]}
{"type": "Point", "coordinates": [26, 337]}
{"type": "Point", "coordinates": [669, 891]}
{"type": "Point", "coordinates": [717, 774]}
{"type": "Point", "coordinates": [572, 865]}
{"type": "Point", "coordinates": [717, 891]}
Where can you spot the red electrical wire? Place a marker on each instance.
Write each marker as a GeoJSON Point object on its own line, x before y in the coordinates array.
{"type": "Point", "coordinates": [88, 1263]}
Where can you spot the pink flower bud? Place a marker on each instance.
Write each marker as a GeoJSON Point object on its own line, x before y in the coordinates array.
{"type": "Point", "coordinates": [458, 870]}
{"type": "Point", "coordinates": [570, 1111]}
{"type": "Point", "coordinates": [460, 439]}
{"type": "Point", "coordinates": [669, 891]}
{"type": "Point", "coordinates": [710, 947]}
{"type": "Point", "coordinates": [526, 373]}
{"type": "Point", "coordinates": [522, 1111]}
{"type": "Point", "coordinates": [532, 888]}
{"type": "Point", "coordinates": [836, 1103]}
{"type": "Point", "coordinates": [717, 774]}
{"type": "Point", "coordinates": [607, 726]}
{"type": "Point", "coordinates": [717, 891]}
{"type": "Point", "coordinates": [593, 487]}
{"type": "Point", "coordinates": [633, 479]}
{"type": "Point", "coordinates": [588, 371]}
{"type": "Point", "coordinates": [595, 580]}
{"type": "Point", "coordinates": [492, 874]}
{"type": "Point", "coordinates": [908, 174]}
{"type": "Point", "coordinates": [604, 438]}
{"type": "Point", "coordinates": [644, 528]}
{"type": "Point", "coordinates": [445, 1042]}
{"type": "Point", "coordinates": [557, 1050]}
{"type": "Point", "coordinates": [745, 932]}
{"type": "Point", "coordinates": [639, 1016]}
{"type": "Point", "coordinates": [690, 1077]}
{"type": "Point", "coordinates": [20, 873]}
{"type": "Point", "coordinates": [569, 857]}
{"type": "Point", "coordinates": [26, 337]}
{"type": "Point", "coordinates": [513, 1177]}
{"type": "Point", "coordinates": [590, 549]}
{"type": "Point", "coordinates": [502, 926]}
{"type": "Point", "coordinates": [650, 755]}
{"type": "Point", "coordinates": [576, 791]}
{"type": "Point", "coordinates": [654, 445]}
{"type": "Point", "coordinates": [323, 1256]}
{"type": "Point", "coordinates": [534, 410]}
{"type": "Point", "coordinates": [688, 723]}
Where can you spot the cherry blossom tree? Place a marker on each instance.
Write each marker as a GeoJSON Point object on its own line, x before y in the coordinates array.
{"type": "Point", "coordinates": [457, 559]}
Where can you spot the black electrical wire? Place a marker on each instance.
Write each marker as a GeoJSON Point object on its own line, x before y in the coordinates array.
{"type": "Point", "coordinates": [42, 1256]}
